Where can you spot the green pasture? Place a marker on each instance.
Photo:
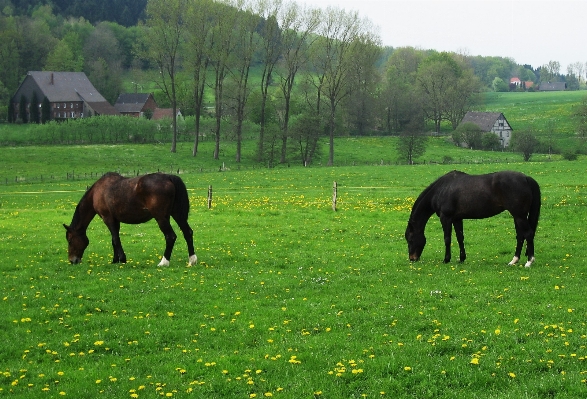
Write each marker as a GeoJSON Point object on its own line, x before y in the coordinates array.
{"type": "Point", "coordinates": [289, 299]}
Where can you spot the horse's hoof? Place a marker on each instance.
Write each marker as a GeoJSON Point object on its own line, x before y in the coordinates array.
{"type": "Point", "coordinates": [529, 263]}
{"type": "Point", "coordinates": [193, 260]}
{"type": "Point", "coordinates": [514, 261]}
{"type": "Point", "coordinates": [164, 262]}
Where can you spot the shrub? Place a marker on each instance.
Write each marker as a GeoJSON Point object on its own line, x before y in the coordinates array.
{"type": "Point", "coordinates": [570, 155]}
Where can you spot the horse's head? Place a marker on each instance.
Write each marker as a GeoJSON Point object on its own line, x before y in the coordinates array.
{"type": "Point", "coordinates": [416, 241]}
{"type": "Point", "coordinates": [77, 244]}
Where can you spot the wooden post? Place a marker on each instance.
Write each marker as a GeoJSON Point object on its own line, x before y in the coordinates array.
{"type": "Point", "coordinates": [334, 195]}
{"type": "Point", "coordinates": [209, 197]}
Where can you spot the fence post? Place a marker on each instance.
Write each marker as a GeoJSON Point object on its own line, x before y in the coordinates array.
{"type": "Point", "coordinates": [209, 197]}
{"type": "Point", "coordinates": [334, 195]}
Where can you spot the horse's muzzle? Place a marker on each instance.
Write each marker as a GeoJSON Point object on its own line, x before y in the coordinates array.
{"type": "Point", "coordinates": [414, 258]}
{"type": "Point", "coordinates": [74, 260]}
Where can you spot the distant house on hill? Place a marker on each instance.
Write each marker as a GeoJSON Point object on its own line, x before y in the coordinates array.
{"type": "Point", "coordinates": [552, 86]}
{"type": "Point", "coordinates": [135, 104]}
{"type": "Point", "coordinates": [70, 95]}
{"type": "Point", "coordinates": [491, 122]}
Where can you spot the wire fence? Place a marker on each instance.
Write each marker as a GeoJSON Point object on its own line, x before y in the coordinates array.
{"type": "Point", "coordinates": [74, 175]}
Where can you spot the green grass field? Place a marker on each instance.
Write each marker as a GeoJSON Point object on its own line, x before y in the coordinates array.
{"type": "Point", "coordinates": [290, 299]}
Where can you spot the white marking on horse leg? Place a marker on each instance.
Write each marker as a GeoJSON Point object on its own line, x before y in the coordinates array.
{"type": "Point", "coordinates": [530, 261]}
{"type": "Point", "coordinates": [193, 260]}
{"type": "Point", "coordinates": [514, 261]}
{"type": "Point", "coordinates": [164, 262]}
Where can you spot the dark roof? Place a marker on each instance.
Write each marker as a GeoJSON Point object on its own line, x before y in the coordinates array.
{"type": "Point", "coordinates": [131, 102]}
{"type": "Point", "coordinates": [66, 86]}
{"type": "Point", "coordinates": [103, 108]}
{"type": "Point", "coordinates": [485, 120]}
{"type": "Point", "coordinates": [552, 86]}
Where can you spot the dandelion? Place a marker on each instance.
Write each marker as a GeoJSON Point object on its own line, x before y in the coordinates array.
{"type": "Point", "coordinates": [512, 375]}
{"type": "Point", "coordinates": [474, 360]}
{"type": "Point", "coordinates": [407, 368]}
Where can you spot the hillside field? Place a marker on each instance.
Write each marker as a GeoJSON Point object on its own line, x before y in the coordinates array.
{"type": "Point", "coordinates": [289, 298]}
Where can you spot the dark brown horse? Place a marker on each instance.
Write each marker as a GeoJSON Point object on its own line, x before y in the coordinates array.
{"type": "Point", "coordinates": [457, 196]}
{"type": "Point", "coordinates": [132, 200]}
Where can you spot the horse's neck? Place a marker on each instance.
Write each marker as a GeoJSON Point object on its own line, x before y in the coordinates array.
{"type": "Point", "coordinates": [84, 213]}
{"type": "Point", "coordinates": [422, 212]}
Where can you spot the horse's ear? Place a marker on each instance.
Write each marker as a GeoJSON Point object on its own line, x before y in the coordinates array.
{"type": "Point", "coordinates": [66, 227]}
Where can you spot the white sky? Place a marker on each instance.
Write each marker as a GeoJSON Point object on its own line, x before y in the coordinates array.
{"type": "Point", "coordinates": [529, 32]}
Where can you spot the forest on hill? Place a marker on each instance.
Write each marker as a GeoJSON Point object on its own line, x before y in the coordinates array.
{"type": "Point", "coordinates": [294, 73]}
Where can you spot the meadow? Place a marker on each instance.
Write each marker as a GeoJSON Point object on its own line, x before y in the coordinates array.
{"type": "Point", "coordinates": [289, 298]}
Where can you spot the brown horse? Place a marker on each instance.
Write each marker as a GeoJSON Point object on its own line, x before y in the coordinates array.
{"type": "Point", "coordinates": [132, 200]}
{"type": "Point", "coordinates": [457, 196]}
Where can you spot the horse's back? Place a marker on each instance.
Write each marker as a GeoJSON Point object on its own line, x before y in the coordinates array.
{"type": "Point", "coordinates": [480, 196]}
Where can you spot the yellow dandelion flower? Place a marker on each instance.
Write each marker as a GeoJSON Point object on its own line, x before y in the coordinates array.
{"type": "Point", "coordinates": [474, 360]}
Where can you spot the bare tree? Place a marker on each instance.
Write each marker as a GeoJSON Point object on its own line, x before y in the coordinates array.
{"type": "Point", "coordinates": [245, 46]}
{"type": "Point", "coordinates": [199, 25]}
{"type": "Point", "coordinates": [270, 33]}
{"type": "Point", "coordinates": [165, 26]}
{"type": "Point", "coordinates": [339, 32]}
{"type": "Point", "coordinates": [222, 42]}
{"type": "Point", "coordinates": [297, 27]}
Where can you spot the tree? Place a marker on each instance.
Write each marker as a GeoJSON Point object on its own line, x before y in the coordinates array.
{"type": "Point", "coordinates": [34, 108]}
{"type": "Point", "coordinates": [45, 110]}
{"type": "Point", "coordinates": [22, 109]}
{"type": "Point", "coordinates": [490, 142]}
{"type": "Point", "coordinates": [298, 26]}
{"type": "Point", "coordinates": [499, 85]}
{"type": "Point", "coordinates": [270, 46]}
{"type": "Point", "coordinates": [411, 143]}
{"type": "Point", "coordinates": [580, 115]}
{"type": "Point", "coordinates": [469, 134]}
{"type": "Point", "coordinates": [305, 132]}
{"type": "Point", "coordinates": [524, 141]}
{"type": "Point", "coordinates": [165, 26]}
{"type": "Point", "coordinates": [333, 50]}
{"type": "Point", "coordinates": [222, 42]}
{"type": "Point", "coordinates": [550, 72]}
{"type": "Point", "coordinates": [399, 94]}
{"type": "Point", "coordinates": [245, 46]}
{"type": "Point", "coordinates": [437, 75]}
{"type": "Point", "coordinates": [199, 24]}
{"type": "Point", "coordinates": [364, 79]}
{"type": "Point", "coordinates": [61, 58]}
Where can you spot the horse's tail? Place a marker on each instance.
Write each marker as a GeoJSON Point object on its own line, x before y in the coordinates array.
{"type": "Point", "coordinates": [534, 214]}
{"type": "Point", "coordinates": [181, 204]}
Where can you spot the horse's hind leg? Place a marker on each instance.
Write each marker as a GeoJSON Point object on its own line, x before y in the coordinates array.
{"type": "Point", "coordinates": [523, 232]}
{"type": "Point", "coordinates": [188, 234]}
{"type": "Point", "coordinates": [458, 225]}
{"type": "Point", "coordinates": [170, 238]}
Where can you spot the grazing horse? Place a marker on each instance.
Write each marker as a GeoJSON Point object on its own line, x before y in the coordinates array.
{"type": "Point", "coordinates": [457, 196]}
{"type": "Point", "coordinates": [132, 200]}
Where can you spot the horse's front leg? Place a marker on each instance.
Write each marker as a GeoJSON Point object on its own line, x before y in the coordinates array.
{"type": "Point", "coordinates": [447, 229]}
{"type": "Point", "coordinates": [170, 238]}
{"type": "Point", "coordinates": [119, 255]}
{"type": "Point", "coordinates": [458, 225]}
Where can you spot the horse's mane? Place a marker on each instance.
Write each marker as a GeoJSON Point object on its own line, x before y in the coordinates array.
{"type": "Point", "coordinates": [431, 188]}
